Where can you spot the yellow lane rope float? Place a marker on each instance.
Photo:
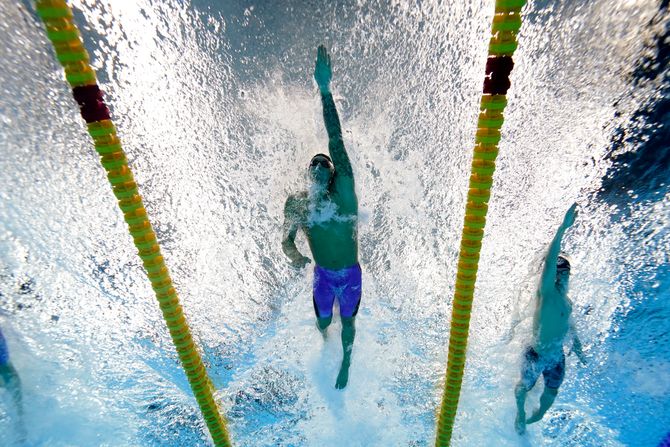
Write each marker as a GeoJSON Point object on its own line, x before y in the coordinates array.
{"type": "Point", "coordinates": [506, 25]}
{"type": "Point", "coordinates": [65, 37]}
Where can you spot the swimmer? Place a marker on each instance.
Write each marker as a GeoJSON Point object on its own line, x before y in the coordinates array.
{"type": "Point", "coordinates": [328, 215]}
{"type": "Point", "coordinates": [9, 379]}
{"type": "Point", "coordinates": [551, 324]}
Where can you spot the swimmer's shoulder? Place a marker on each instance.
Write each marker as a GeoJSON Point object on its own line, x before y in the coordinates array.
{"type": "Point", "coordinates": [296, 204]}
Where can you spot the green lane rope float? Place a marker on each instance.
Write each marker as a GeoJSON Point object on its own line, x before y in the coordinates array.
{"type": "Point", "coordinates": [65, 37]}
{"type": "Point", "coordinates": [506, 25]}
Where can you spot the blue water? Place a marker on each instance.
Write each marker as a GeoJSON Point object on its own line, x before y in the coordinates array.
{"type": "Point", "coordinates": [219, 115]}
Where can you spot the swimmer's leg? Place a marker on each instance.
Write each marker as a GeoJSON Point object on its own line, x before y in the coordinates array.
{"type": "Point", "coordinates": [322, 325]}
{"type": "Point", "coordinates": [553, 378]}
{"type": "Point", "coordinates": [350, 301]}
{"type": "Point", "coordinates": [529, 375]}
{"type": "Point", "coordinates": [348, 335]}
{"type": "Point", "coordinates": [12, 382]}
{"type": "Point", "coordinates": [520, 422]}
{"type": "Point", "coordinates": [323, 298]}
{"type": "Point", "coordinates": [547, 399]}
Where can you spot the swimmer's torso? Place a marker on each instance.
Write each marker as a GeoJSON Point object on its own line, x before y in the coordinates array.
{"type": "Point", "coordinates": [331, 225]}
{"type": "Point", "coordinates": [552, 322]}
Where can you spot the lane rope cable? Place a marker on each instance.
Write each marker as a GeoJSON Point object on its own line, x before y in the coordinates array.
{"type": "Point", "coordinates": [506, 25]}
{"type": "Point", "coordinates": [66, 40]}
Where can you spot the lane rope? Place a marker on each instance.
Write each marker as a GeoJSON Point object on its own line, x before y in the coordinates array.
{"type": "Point", "coordinates": [506, 25]}
{"type": "Point", "coordinates": [66, 39]}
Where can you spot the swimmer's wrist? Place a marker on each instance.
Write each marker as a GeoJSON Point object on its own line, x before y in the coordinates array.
{"type": "Point", "coordinates": [298, 258]}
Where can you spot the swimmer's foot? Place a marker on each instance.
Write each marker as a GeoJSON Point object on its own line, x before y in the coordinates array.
{"type": "Point", "coordinates": [342, 377]}
{"type": "Point", "coordinates": [520, 424]}
{"type": "Point", "coordinates": [536, 416]}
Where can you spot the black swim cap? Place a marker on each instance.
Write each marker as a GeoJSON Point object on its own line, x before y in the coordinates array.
{"type": "Point", "coordinates": [562, 263]}
{"type": "Point", "coordinates": [323, 160]}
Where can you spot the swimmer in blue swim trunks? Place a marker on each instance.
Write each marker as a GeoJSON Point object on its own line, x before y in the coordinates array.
{"type": "Point", "coordinates": [9, 379]}
{"type": "Point", "coordinates": [551, 325]}
{"type": "Point", "coordinates": [328, 215]}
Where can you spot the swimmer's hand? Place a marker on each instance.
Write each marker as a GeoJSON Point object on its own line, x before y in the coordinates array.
{"type": "Point", "coordinates": [582, 359]}
{"type": "Point", "coordinates": [578, 350]}
{"type": "Point", "coordinates": [580, 355]}
{"type": "Point", "coordinates": [300, 262]}
{"type": "Point", "coordinates": [570, 216]}
{"type": "Point", "coordinates": [322, 72]}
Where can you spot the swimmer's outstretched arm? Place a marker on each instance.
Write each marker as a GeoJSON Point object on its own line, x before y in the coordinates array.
{"type": "Point", "coordinates": [549, 273]}
{"type": "Point", "coordinates": [323, 74]}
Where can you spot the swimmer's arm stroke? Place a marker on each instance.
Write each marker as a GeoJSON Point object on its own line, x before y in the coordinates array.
{"type": "Point", "coordinates": [290, 230]}
{"type": "Point", "coordinates": [549, 272]}
{"type": "Point", "coordinates": [323, 74]}
{"type": "Point", "coordinates": [577, 344]}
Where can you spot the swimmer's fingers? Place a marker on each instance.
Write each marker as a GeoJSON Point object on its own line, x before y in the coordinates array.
{"type": "Point", "coordinates": [322, 71]}
{"type": "Point", "coordinates": [573, 211]}
{"type": "Point", "coordinates": [322, 57]}
{"type": "Point", "coordinates": [570, 215]}
{"type": "Point", "coordinates": [582, 359]}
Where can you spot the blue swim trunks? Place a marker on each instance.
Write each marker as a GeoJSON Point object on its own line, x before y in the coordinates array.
{"type": "Point", "coordinates": [534, 364]}
{"type": "Point", "coordinates": [4, 352]}
{"type": "Point", "coordinates": [345, 284]}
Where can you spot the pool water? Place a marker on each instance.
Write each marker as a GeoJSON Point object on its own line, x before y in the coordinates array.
{"type": "Point", "coordinates": [219, 115]}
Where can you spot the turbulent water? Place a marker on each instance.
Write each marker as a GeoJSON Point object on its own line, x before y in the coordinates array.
{"type": "Point", "coordinates": [219, 116]}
